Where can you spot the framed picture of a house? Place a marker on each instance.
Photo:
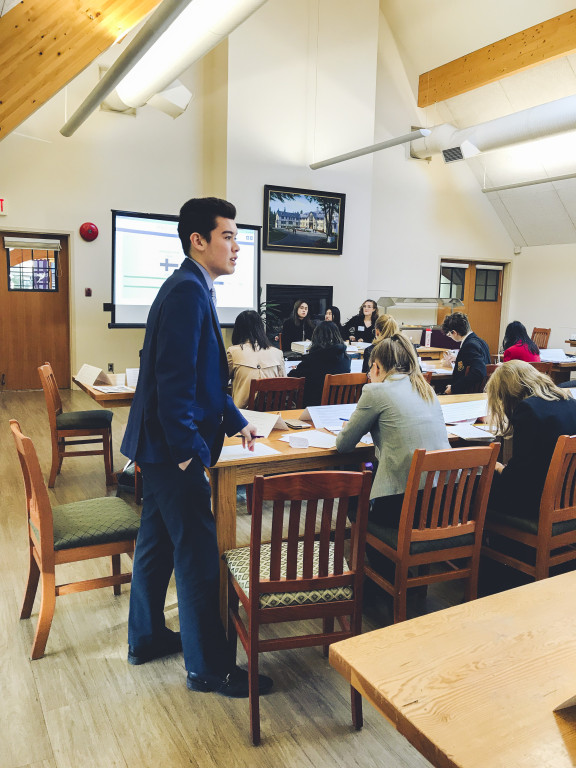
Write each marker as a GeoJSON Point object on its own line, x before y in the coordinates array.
{"type": "Point", "coordinates": [303, 220]}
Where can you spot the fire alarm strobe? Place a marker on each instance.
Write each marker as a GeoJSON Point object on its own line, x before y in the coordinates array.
{"type": "Point", "coordinates": [88, 231]}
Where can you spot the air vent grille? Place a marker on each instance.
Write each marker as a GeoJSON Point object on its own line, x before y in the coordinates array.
{"type": "Point", "coordinates": [452, 155]}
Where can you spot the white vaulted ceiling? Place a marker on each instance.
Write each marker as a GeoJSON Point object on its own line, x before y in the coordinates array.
{"type": "Point", "coordinates": [432, 34]}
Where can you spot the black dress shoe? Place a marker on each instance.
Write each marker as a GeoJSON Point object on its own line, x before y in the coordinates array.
{"type": "Point", "coordinates": [235, 685]}
{"type": "Point", "coordinates": [170, 643]}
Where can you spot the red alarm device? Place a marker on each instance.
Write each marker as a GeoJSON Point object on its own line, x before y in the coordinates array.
{"type": "Point", "coordinates": [88, 231]}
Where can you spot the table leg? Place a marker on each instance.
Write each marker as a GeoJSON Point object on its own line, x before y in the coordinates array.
{"type": "Point", "coordinates": [223, 481]}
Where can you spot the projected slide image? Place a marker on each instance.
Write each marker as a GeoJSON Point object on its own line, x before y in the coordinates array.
{"type": "Point", "coordinates": [147, 250]}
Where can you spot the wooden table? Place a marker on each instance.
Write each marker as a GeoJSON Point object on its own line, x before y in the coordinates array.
{"type": "Point", "coordinates": [474, 686]}
{"type": "Point", "coordinates": [106, 399]}
{"type": "Point", "coordinates": [226, 476]}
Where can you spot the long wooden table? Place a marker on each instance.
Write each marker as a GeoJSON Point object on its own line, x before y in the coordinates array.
{"type": "Point", "coordinates": [475, 686]}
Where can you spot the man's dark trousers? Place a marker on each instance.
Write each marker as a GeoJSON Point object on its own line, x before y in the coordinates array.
{"type": "Point", "coordinates": [178, 531]}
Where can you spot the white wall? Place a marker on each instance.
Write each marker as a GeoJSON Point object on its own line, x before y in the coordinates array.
{"type": "Point", "coordinates": [542, 291]}
{"type": "Point", "coordinates": [302, 79]}
{"type": "Point", "coordinates": [150, 163]}
{"type": "Point", "coordinates": [420, 211]}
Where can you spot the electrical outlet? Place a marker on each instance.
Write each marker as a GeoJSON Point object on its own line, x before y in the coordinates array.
{"type": "Point", "coordinates": [110, 367]}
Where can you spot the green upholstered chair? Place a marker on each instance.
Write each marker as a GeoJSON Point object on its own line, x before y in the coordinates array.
{"type": "Point", "coordinates": [63, 426]}
{"type": "Point", "coordinates": [302, 572]}
{"type": "Point", "coordinates": [533, 546]}
{"type": "Point", "coordinates": [444, 529]}
{"type": "Point", "coordinates": [68, 533]}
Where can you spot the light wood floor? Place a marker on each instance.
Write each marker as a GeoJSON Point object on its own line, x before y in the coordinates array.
{"type": "Point", "coordinates": [83, 706]}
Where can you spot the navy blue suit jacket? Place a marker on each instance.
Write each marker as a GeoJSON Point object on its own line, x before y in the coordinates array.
{"type": "Point", "coordinates": [474, 355]}
{"type": "Point", "coordinates": [181, 407]}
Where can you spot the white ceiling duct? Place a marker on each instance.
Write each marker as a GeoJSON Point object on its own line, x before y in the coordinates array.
{"type": "Point", "coordinates": [529, 124]}
{"type": "Point", "coordinates": [175, 36]}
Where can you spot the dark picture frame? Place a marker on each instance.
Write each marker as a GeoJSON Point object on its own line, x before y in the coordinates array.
{"type": "Point", "coordinates": [303, 220]}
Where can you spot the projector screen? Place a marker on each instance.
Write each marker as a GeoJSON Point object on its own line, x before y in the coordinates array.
{"type": "Point", "coordinates": [146, 250]}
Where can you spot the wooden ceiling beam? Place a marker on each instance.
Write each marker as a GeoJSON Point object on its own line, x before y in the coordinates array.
{"type": "Point", "coordinates": [44, 44]}
{"type": "Point", "coordinates": [542, 42]}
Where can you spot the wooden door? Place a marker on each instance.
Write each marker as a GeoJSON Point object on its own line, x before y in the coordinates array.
{"type": "Point", "coordinates": [482, 297]}
{"type": "Point", "coordinates": [34, 311]}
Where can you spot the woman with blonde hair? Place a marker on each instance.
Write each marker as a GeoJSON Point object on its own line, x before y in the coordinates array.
{"type": "Point", "coordinates": [384, 327]}
{"type": "Point", "coordinates": [526, 405]}
{"type": "Point", "coordinates": [401, 411]}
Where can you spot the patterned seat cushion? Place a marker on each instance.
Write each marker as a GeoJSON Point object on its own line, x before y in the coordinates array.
{"type": "Point", "coordinates": [84, 420]}
{"type": "Point", "coordinates": [238, 561]}
{"type": "Point", "coordinates": [95, 521]}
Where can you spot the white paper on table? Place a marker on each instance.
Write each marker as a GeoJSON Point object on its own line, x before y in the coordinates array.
{"type": "Point", "coordinates": [326, 416]}
{"type": "Point", "coordinates": [473, 409]}
{"type": "Point", "coordinates": [264, 422]}
{"type": "Point", "coordinates": [469, 432]}
{"type": "Point", "coordinates": [555, 356]}
{"type": "Point", "coordinates": [132, 376]}
{"type": "Point", "coordinates": [233, 452]}
{"type": "Point", "coordinates": [88, 374]}
{"type": "Point", "coordinates": [356, 366]}
{"type": "Point", "coordinates": [315, 439]}
{"type": "Point", "coordinates": [289, 365]}
{"type": "Point", "coordinates": [114, 390]}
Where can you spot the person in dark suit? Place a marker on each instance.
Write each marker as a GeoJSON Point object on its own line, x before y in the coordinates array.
{"type": "Point", "coordinates": [527, 405]}
{"type": "Point", "coordinates": [176, 426]}
{"type": "Point", "coordinates": [473, 356]}
{"type": "Point", "coordinates": [327, 354]}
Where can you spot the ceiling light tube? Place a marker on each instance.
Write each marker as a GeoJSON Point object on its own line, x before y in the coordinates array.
{"type": "Point", "coordinates": [530, 183]}
{"type": "Point", "coordinates": [158, 23]}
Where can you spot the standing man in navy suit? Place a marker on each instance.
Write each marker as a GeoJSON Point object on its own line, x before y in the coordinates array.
{"type": "Point", "coordinates": [176, 427]}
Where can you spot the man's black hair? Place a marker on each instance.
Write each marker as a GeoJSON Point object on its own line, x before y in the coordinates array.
{"type": "Point", "coordinates": [457, 322]}
{"type": "Point", "coordinates": [199, 215]}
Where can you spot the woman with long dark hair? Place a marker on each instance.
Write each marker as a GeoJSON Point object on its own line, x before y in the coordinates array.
{"type": "Point", "coordinates": [298, 327]}
{"type": "Point", "coordinates": [251, 356]}
{"type": "Point", "coordinates": [518, 345]}
{"type": "Point", "coordinates": [361, 326]}
{"type": "Point", "coordinates": [327, 354]}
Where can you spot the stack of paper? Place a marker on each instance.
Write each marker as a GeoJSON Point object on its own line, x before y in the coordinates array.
{"type": "Point", "coordinates": [468, 411]}
{"type": "Point", "coordinates": [300, 346]}
{"type": "Point", "coordinates": [555, 356]}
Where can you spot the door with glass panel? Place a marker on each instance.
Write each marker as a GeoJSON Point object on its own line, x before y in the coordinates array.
{"type": "Point", "coordinates": [34, 309]}
{"type": "Point", "coordinates": [475, 289]}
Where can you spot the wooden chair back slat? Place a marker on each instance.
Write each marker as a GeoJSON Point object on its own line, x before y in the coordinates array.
{"type": "Point", "coordinates": [540, 337]}
{"type": "Point", "coordinates": [276, 394]}
{"type": "Point", "coordinates": [342, 388]}
{"type": "Point", "coordinates": [339, 535]}
{"type": "Point", "coordinates": [51, 393]}
{"type": "Point", "coordinates": [324, 539]}
{"type": "Point", "coordinates": [448, 514]}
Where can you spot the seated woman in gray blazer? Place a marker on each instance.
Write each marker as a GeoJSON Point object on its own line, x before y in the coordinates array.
{"type": "Point", "coordinates": [402, 413]}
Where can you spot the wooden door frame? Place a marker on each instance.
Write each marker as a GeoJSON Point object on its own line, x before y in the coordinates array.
{"type": "Point", "coordinates": [507, 264]}
{"type": "Point", "coordinates": [46, 232]}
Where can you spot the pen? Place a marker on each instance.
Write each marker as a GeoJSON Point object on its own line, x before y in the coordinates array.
{"type": "Point", "coordinates": [253, 436]}
{"type": "Point", "coordinates": [343, 419]}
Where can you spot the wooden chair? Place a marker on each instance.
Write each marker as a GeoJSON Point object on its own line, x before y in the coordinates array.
{"type": "Point", "coordinates": [68, 533]}
{"type": "Point", "coordinates": [540, 337]}
{"type": "Point", "coordinates": [428, 376]}
{"type": "Point", "coordinates": [299, 576]}
{"type": "Point", "coordinates": [437, 528]}
{"type": "Point", "coordinates": [490, 368]}
{"type": "Point", "coordinates": [276, 394]}
{"type": "Point", "coordinates": [96, 424]}
{"type": "Point", "coordinates": [551, 539]}
{"type": "Point", "coordinates": [342, 388]}
{"type": "Point", "coordinates": [543, 367]}
{"type": "Point", "coordinates": [481, 384]}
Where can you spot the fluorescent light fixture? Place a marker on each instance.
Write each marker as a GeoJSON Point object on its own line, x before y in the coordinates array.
{"type": "Point", "coordinates": [418, 134]}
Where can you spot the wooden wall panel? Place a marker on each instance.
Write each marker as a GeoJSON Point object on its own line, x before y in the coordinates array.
{"type": "Point", "coordinates": [44, 44]}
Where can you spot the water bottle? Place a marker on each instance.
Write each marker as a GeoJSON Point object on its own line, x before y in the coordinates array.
{"type": "Point", "coordinates": [428, 338]}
